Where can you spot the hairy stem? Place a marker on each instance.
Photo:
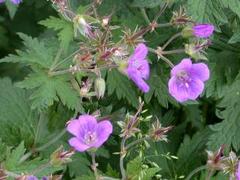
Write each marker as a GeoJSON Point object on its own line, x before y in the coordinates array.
{"type": "Point", "coordinates": [209, 175]}
{"type": "Point", "coordinates": [145, 16]}
{"type": "Point", "coordinates": [175, 36]}
{"type": "Point", "coordinates": [122, 155]}
{"type": "Point", "coordinates": [176, 51]}
{"type": "Point", "coordinates": [195, 171]}
{"type": "Point", "coordinates": [94, 165]}
{"type": "Point", "coordinates": [136, 142]}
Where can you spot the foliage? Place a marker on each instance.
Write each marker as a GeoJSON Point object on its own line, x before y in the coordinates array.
{"type": "Point", "coordinates": [48, 75]}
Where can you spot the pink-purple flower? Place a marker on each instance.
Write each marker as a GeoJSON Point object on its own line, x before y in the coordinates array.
{"type": "Point", "coordinates": [238, 172]}
{"type": "Point", "coordinates": [203, 30]}
{"type": "Point", "coordinates": [138, 67]}
{"type": "Point", "coordinates": [89, 134]}
{"type": "Point", "coordinates": [13, 1]}
{"type": "Point", "coordinates": [187, 80]}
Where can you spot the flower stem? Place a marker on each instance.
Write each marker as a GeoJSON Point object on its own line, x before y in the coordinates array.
{"type": "Point", "coordinates": [122, 155]}
{"type": "Point", "coordinates": [175, 36]}
{"type": "Point", "coordinates": [94, 165]}
{"type": "Point", "coordinates": [209, 175]}
{"type": "Point", "coordinates": [176, 51]}
{"type": "Point", "coordinates": [145, 16]}
{"type": "Point", "coordinates": [136, 142]}
{"type": "Point", "coordinates": [162, 10]}
{"type": "Point", "coordinates": [195, 171]}
{"type": "Point", "coordinates": [164, 25]}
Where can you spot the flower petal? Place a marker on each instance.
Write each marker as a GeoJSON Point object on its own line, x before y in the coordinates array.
{"type": "Point", "coordinates": [196, 88]}
{"type": "Point", "coordinates": [185, 65]}
{"type": "Point", "coordinates": [182, 93]}
{"type": "Point", "coordinates": [201, 71]}
{"type": "Point", "coordinates": [139, 53]}
{"type": "Point", "coordinates": [179, 93]}
{"type": "Point", "coordinates": [79, 126]}
{"type": "Point", "coordinates": [136, 77]}
{"type": "Point", "coordinates": [78, 145]}
{"type": "Point", "coordinates": [238, 172]}
{"type": "Point", "coordinates": [104, 130]}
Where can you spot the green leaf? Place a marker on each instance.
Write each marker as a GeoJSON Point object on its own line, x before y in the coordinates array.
{"type": "Point", "coordinates": [118, 83]}
{"type": "Point", "coordinates": [65, 28]}
{"type": "Point", "coordinates": [227, 131]}
{"type": "Point", "coordinates": [158, 89]}
{"type": "Point", "coordinates": [205, 11]}
{"type": "Point", "coordinates": [235, 38]}
{"type": "Point", "coordinates": [16, 119]}
{"type": "Point", "coordinates": [147, 3]}
{"type": "Point", "coordinates": [14, 157]}
{"type": "Point", "coordinates": [190, 153]}
{"type": "Point", "coordinates": [234, 5]}
{"type": "Point", "coordinates": [14, 164]}
{"type": "Point", "coordinates": [36, 53]}
{"type": "Point", "coordinates": [134, 168]}
{"type": "Point", "coordinates": [48, 89]}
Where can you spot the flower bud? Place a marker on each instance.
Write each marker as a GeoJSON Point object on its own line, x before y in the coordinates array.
{"type": "Point", "coordinates": [203, 30]}
{"type": "Point", "coordinates": [60, 157]}
{"type": "Point", "coordinates": [81, 26]}
{"type": "Point", "coordinates": [100, 87]}
{"type": "Point", "coordinates": [187, 32]}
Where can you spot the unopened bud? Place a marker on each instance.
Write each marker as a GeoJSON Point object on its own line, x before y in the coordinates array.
{"type": "Point", "coordinates": [215, 159]}
{"type": "Point", "coordinates": [100, 87]}
{"type": "Point", "coordinates": [187, 32]}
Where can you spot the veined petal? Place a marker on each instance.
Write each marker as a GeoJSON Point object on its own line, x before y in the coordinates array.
{"type": "Point", "coordinates": [178, 92]}
{"type": "Point", "coordinates": [201, 71]}
{"type": "Point", "coordinates": [184, 65]}
{"type": "Point", "coordinates": [139, 53]}
{"type": "Point", "coordinates": [136, 77]}
{"type": "Point", "coordinates": [83, 124]}
{"type": "Point", "coordinates": [78, 145]}
{"type": "Point", "coordinates": [196, 88]}
{"type": "Point", "coordinates": [104, 130]}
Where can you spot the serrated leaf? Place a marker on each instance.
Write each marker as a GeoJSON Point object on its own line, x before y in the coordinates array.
{"type": "Point", "coordinates": [49, 89]}
{"type": "Point", "coordinates": [235, 38]}
{"type": "Point", "coordinates": [121, 85]}
{"type": "Point", "coordinates": [190, 153]}
{"type": "Point", "coordinates": [205, 11]}
{"type": "Point", "coordinates": [227, 131]}
{"type": "Point", "coordinates": [36, 53]}
{"type": "Point", "coordinates": [234, 5]}
{"type": "Point", "coordinates": [65, 28]}
{"type": "Point", "coordinates": [158, 89]}
{"type": "Point", "coordinates": [134, 168]}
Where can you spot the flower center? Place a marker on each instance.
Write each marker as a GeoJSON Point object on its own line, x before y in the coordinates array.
{"type": "Point", "coordinates": [90, 137]}
{"type": "Point", "coordinates": [184, 78]}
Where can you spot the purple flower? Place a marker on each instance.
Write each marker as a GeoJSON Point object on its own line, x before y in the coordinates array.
{"type": "Point", "coordinates": [138, 67]}
{"type": "Point", "coordinates": [32, 178]}
{"type": "Point", "coordinates": [187, 80]}
{"type": "Point", "coordinates": [238, 172]}
{"type": "Point", "coordinates": [88, 132]}
{"type": "Point", "coordinates": [203, 30]}
{"type": "Point", "coordinates": [13, 1]}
